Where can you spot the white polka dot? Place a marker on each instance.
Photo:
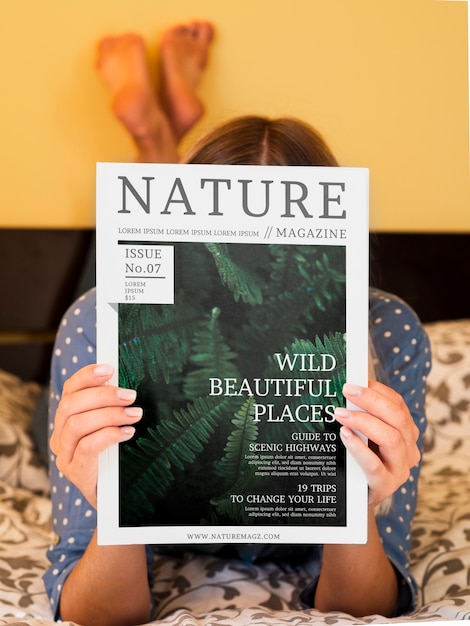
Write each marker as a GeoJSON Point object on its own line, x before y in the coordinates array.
{"type": "Point", "coordinates": [58, 352]}
{"type": "Point", "coordinates": [387, 334]}
{"type": "Point", "coordinates": [79, 330]}
{"type": "Point", "coordinates": [88, 513]}
{"type": "Point", "coordinates": [77, 311]}
{"type": "Point", "coordinates": [398, 311]}
{"type": "Point", "coordinates": [78, 502]}
{"type": "Point", "coordinates": [71, 540]}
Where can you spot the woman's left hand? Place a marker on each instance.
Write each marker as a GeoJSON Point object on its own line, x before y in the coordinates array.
{"type": "Point", "coordinates": [388, 425]}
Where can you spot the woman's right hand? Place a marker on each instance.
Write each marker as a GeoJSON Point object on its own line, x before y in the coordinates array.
{"type": "Point", "coordinates": [90, 417]}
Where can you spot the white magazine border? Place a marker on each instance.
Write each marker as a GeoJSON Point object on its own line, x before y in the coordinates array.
{"type": "Point", "coordinates": [109, 223]}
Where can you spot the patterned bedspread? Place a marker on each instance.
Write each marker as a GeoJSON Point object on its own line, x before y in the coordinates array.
{"type": "Point", "coordinates": [196, 590]}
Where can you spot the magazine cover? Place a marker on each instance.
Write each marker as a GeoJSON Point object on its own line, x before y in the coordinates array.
{"type": "Point", "coordinates": [234, 299]}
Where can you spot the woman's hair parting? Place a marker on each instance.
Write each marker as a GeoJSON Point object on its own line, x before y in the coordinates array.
{"type": "Point", "coordinates": [257, 140]}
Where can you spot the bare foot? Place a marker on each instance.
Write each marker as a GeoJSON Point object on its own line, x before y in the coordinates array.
{"type": "Point", "coordinates": [184, 52]}
{"type": "Point", "coordinates": [122, 63]}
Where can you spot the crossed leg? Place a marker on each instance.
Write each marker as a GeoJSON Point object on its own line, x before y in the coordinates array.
{"type": "Point", "coordinates": [156, 122]}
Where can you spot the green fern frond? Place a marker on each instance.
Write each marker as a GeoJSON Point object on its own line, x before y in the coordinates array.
{"type": "Point", "coordinates": [283, 315]}
{"type": "Point", "coordinates": [148, 466]}
{"type": "Point", "coordinates": [152, 340]}
{"type": "Point", "coordinates": [212, 358]}
{"type": "Point", "coordinates": [335, 344]}
{"type": "Point", "coordinates": [288, 263]}
{"type": "Point", "coordinates": [332, 344]}
{"type": "Point", "coordinates": [305, 285]}
{"type": "Point", "coordinates": [228, 511]}
{"type": "Point", "coordinates": [242, 284]}
{"type": "Point", "coordinates": [328, 283]}
{"type": "Point", "coordinates": [245, 432]}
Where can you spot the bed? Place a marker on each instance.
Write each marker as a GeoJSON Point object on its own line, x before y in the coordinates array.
{"type": "Point", "coordinates": [204, 590]}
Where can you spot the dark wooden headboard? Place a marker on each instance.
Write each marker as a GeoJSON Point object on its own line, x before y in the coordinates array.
{"type": "Point", "coordinates": [430, 271]}
{"type": "Point", "coordinates": [43, 271]}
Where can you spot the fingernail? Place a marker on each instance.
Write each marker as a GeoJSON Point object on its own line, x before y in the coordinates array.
{"type": "Point", "coordinates": [129, 395]}
{"type": "Point", "coordinates": [133, 411]}
{"type": "Point", "coordinates": [346, 433]}
{"type": "Point", "coordinates": [128, 431]}
{"type": "Point", "coordinates": [103, 370]}
{"type": "Point", "coordinates": [343, 413]}
{"type": "Point", "coordinates": [351, 390]}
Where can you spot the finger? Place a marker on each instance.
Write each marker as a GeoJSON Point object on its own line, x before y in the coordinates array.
{"type": "Point", "coordinates": [381, 481]}
{"type": "Point", "coordinates": [93, 398]}
{"type": "Point", "coordinates": [372, 397]}
{"type": "Point", "coordinates": [88, 376]}
{"type": "Point", "coordinates": [387, 405]}
{"type": "Point", "coordinates": [82, 470]}
{"type": "Point", "coordinates": [86, 401]}
{"type": "Point", "coordinates": [394, 458]}
{"type": "Point", "coordinates": [396, 446]}
{"type": "Point", "coordinates": [369, 462]}
{"type": "Point", "coordinates": [86, 452]}
{"type": "Point", "coordinates": [79, 426]}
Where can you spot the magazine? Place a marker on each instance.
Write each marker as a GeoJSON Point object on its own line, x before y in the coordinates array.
{"type": "Point", "coordinates": [234, 299]}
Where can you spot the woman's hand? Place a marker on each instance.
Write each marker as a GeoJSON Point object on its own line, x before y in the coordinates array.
{"type": "Point", "coordinates": [90, 417]}
{"type": "Point", "coordinates": [388, 425]}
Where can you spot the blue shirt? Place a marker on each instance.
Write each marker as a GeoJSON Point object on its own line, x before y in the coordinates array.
{"type": "Point", "coordinates": [403, 356]}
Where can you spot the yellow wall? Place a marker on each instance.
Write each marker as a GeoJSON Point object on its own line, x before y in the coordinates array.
{"type": "Point", "coordinates": [386, 81]}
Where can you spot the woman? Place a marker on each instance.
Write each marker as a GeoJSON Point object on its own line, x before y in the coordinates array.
{"type": "Point", "coordinates": [88, 583]}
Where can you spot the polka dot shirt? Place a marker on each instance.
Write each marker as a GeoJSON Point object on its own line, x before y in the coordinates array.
{"type": "Point", "coordinates": [402, 354]}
